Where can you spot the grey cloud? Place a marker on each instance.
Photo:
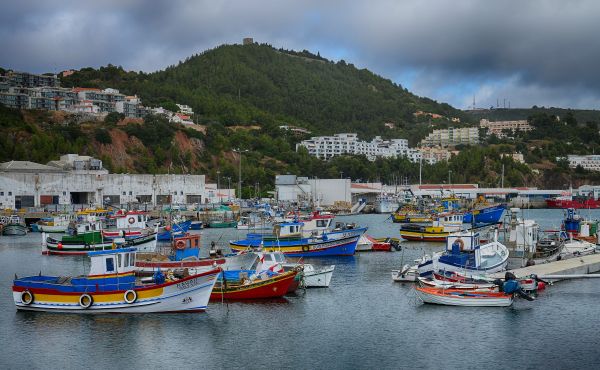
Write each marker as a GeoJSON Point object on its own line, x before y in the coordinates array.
{"type": "Point", "coordinates": [533, 52]}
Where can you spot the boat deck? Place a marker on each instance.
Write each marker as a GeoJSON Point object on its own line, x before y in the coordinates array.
{"type": "Point", "coordinates": [574, 266]}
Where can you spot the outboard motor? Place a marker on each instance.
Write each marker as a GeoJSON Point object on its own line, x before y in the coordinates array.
{"type": "Point", "coordinates": [512, 286]}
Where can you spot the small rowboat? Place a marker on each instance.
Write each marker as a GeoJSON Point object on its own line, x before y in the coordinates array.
{"type": "Point", "coordinates": [441, 284]}
{"type": "Point", "coordinates": [458, 297]}
{"type": "Point", "coordinates": [270, 287]}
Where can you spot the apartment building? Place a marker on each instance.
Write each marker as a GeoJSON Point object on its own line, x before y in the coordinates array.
{"type": "Point", "coordinates": [499, 128]}
{"type": "Point", "coordinates": [588, 162]}
{"type": "Point", "coordinates": [452, 137]}
{"type": "Point", "coordinates": [325, 147]}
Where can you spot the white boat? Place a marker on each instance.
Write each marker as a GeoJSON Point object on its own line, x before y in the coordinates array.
{"type": "Point", "coordinates": [465, 255]}
{"type": "Point", "coordinates": [409, 273]}
{"type": "Point", "coordinates": [314, 276]}
{"type": "Point", "coordinates": [55, 224]}
{"type": "Point", "coordinates": [13, 225]}
{"type": "Point", "coordinates": [454, 297]}
{"type": "Point", "coordinates": [386, 204]}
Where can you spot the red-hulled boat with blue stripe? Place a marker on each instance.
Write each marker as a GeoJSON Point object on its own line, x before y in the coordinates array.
{"type": "Point", "coordinates": [287, 238]}
{"type": "Point", "coordinates": [111, 287]}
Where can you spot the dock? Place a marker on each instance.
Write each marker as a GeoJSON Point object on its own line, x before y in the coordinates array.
{"type": "Point", "coordinates": [582, 265]}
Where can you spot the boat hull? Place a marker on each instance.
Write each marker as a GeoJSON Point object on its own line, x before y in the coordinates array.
{"type": "Point", "coordinates": [301, 247]}
{"type": "Point", "coordinates": [274, 287]}
{"type": "Point", "coordinates": [14, 230]}
{"type": "Point", "coordinates": [453, 297]}
{"type": "Point", "coordinates": [320, 278]}
{"type": "Point", "coordinates": [424, 237]}
{"type": "Point", "coordinates": [51, 229]}
{"type": "Point", "coordinates": [177, 230]}
{"type": "Point", "coordinates": [577, 204]}
{"type": "Point", "coordinates": [54, 246]}
{"type": "Point", "coordinates": [488, 215]}
{"type": "Point", "coordinates": [190, 294]}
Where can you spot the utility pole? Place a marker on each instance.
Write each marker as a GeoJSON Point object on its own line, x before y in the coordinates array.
{"type": "Point", "coordinates": [219, 185]}
{"type": "Point", "coordinates": [502, 181]}
{"type": "Point", "coordinates": [420, 168]}
{"type": "Point", "coordinates": [238, 150]}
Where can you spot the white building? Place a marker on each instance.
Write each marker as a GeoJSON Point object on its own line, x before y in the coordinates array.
{"type": "Point", "coordinates": [325, 192]}
{"type": "Point", "coordinates": [72, 180]}
{"type": "Point", "coordinates": [325, 147]}
{"type": "Point", "coordinates": [452, 137]}
{"type": "Point", "coordinates": [185, 109]}
{"type": "Point", "coordinates": [588, 162]}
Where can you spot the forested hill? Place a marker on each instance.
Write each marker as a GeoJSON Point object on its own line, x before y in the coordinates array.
{"type": "Point", "coordinates": [256, 84]}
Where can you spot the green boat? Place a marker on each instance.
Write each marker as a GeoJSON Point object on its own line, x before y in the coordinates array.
{"type": "Point", "coordinates": [222, 224]}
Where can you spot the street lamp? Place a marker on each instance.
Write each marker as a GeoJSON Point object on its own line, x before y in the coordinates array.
{"type": "Point", "coordinates": [229, 189]}
{"type": "Point", "coordinates": [238, 150]}
{"type": "Point", "coordinates": [219, 185]}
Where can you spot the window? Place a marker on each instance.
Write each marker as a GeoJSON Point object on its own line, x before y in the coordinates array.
{"type": "Point", "coordinates": [10, 193]}
{"type": "Point", "coordinates": [132, 259]}
{"type": "Point", "coordinates": [126, 260]}
{"type": "Point", "coordinates": [120, 260]}
{"type": "Point", "coordinates": [1, 193]}
{"type": "Point", "coordinates": [110, 264]}
{"type": "Point", "coordinates": [131, 193]}
{"type": "Point", "coordinates": [124, 193]}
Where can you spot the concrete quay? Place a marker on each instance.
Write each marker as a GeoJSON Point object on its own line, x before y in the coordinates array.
{"type": "Point", "coordinates": [581, 265]}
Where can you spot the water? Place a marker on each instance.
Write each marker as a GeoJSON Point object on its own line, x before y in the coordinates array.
{"type": "Point", "coordinates": [364, 320]}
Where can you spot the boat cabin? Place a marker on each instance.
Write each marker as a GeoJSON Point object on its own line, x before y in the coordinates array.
{"type": "Point", "coordinates": [289, 229]}
{"type": "Point", "coordinates": [185, 247]}
{"type": "Point", "coordinates": [463, 242]}
{"type": "Point", "coordinates": [93, 224]}
{"type": "Point", "coordinates": [112, 261]}
{"type": "Point", "coordinates": [523, 235]}
{"type": "Point", "coordinates": [130, 220]}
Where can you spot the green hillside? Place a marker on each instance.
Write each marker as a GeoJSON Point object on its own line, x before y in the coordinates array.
{"type": "Point", "coordinates": [256, 84]}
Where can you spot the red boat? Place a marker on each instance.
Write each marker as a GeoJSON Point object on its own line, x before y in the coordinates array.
{"type": "Point", "coordinates": [273, 287]}
{"type": "Point", "coordinates": [577, 202]}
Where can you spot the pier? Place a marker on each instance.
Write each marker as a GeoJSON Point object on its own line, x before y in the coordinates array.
{"type": "Point", "coordinates": [582, 265]}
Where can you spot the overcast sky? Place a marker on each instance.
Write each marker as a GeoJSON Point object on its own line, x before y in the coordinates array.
{"type": "Point", "coordinates": [530, 52]}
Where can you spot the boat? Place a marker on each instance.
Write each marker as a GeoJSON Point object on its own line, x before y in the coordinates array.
{"type": "Point", "coordinates": [444, 284]}
{"type": "Point", "coordinates": [112, 287]}
{"type": "Point", "coordinates": [222, 224]}
{"type": "Point", "coordinates": [484, 213]}
{"type": "Point", "coordinates": [54, 224]}
{"type": "Point", "coordinates": [576, 202]}
{"type": "Point", "coordinates": [175, 230]}
{"type": "Point", "coordinates": [577, 227]}
{"type": "Point", "coordinates": [438, 231]}
{"type": "Point", "coordinates": [249, 223]}
{"type": "Point", "coordinates": [313, 276]}
{"type": "Point", "coordinates": [385, 203]}
{"type": "Point", "coordinates": [287, 238]}
{"type": "Point", "coordinates": [367, 243]}
{"type": "Point", "coordinates": [181, 254]}
{"type": "Point", "coordinates": [240, 285]}
{"type": "Point", "coordinates": [464, 254]}
{"type": "Point", "coordinates": [409, 273]}
{"type": "Point", "coordinates": [410, 214]}
{"type": "Point", "coordinates": [13, 225]}
{"type": "Point", "coordinates": [459, 297]}
{"type": "Point", "coordinates": [196, 225]}
{"type": "Point", "coordinates": [87, 236]}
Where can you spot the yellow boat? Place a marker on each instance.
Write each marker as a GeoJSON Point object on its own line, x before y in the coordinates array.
{"type": "Point", "coordinates": [409, 214]}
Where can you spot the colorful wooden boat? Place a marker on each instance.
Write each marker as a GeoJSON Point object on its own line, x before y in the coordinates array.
{"type": "Point", "coordinates": [485, 214]}
{"type": "Point", "coordinates": [111, 287]}
{"type": "Point", "coordinates": [288, 239]}
{"type": "Point", "coordinates": [442, 225]}
{"type": "Point", "coordinates": [262, 287]}
{"type": "Point", "coordinates": [175, 230]}
{"type": "Point", "coordinates": [457, 297]}
{"type": "Point", "coordinates": [222, 224]}
{"type": "Point", "coordinates": [312, 276]}
{"type": "Point", "coordinates": [127, 224]}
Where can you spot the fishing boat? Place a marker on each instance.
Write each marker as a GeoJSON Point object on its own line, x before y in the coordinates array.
{"type": "Point", "coordinates": [313, 276]}
{"type": "Point", "coordinates": [182, 253]}
{"type": "Point", "coordinates": [127, 224]}
{"type": "Point", "coordinates": [240, 285]}
{"type": "Point", "coordinates": [87, 236]}
{"type": "Point", "coordinates": [112, 287]}
{"type": "Point", "coordinates": [196, 225]}
{"type": "Point", "coordinates": [410, 214]}
{"type": "Point", "coordinates": [459, 297]}
{"type": "Point", "coordinates": [484, 213]}
{"type": "Point", "coordinates": [13, 225]}
{"type": "Point", "coordinates": [577, 227]}
{"type": "Point", "coordinates": [287, 238]}
{"type": "Point", "coordinates": [464, 254]}
{"type": "Point", "coordinates": [409, 273]}
{"type": "Point", "coordinates": [250, 223]}
{"type": "Point", "coordinates": [576, 202]}
{"type": "Point", "coordinates": [175, 230]}
{"type": "Point", "coordinates": [54, 224]}
{"type": "Point", "coordinates": [385, 203]}
{"type": "Point", "coordinates": [222, 224]}
{"type": "Point", "coordinates": [367, 243]}
{"type": "Point", "coordinates": [438, 231]}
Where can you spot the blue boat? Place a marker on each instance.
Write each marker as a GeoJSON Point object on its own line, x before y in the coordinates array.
{"type": "Point", "coordinates": [176, 230]}
{"type": "Point", "coordinates": [485, 215]}
{"type": "Point", "coordinates": [288, 239]}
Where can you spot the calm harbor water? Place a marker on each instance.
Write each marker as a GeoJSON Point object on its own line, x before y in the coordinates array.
{"type": "Point", "coordinates": [364, 320]}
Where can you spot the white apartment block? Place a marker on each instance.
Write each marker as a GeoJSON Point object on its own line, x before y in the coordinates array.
{"type": "Point", "coordinates": [588, 162]}
{"type": "Point", "coordinates": [452, 137]}
{"type": "Point", "coordinates": [185, 109]}
{"type": "Point", "coordinates": [325, 147]}
{"type": "Point", "coordinates": [499, 128]}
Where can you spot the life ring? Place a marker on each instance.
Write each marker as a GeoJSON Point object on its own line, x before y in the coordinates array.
{"type": "Point", "coordinates": [131, 220]}
{"type": "Point", "coordinates": [460, 242]}
{"type": "Point", "coordinates": [86, 300]}
{"type": "Point", "coordinates": [27, 297]}
{"type": "Point", "coordinates": [305, 248]}
{"type": "Point", "coordinates": [130, 296]}
{"type": "Point", "coordinates": [180, 244]}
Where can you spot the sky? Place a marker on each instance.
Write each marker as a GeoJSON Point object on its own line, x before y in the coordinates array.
{"type": "Point", "coordinates": [522, 53]}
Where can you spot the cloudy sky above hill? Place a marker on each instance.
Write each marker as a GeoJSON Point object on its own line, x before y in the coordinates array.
{"type": "Point", "coordinates": [531, 52]}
